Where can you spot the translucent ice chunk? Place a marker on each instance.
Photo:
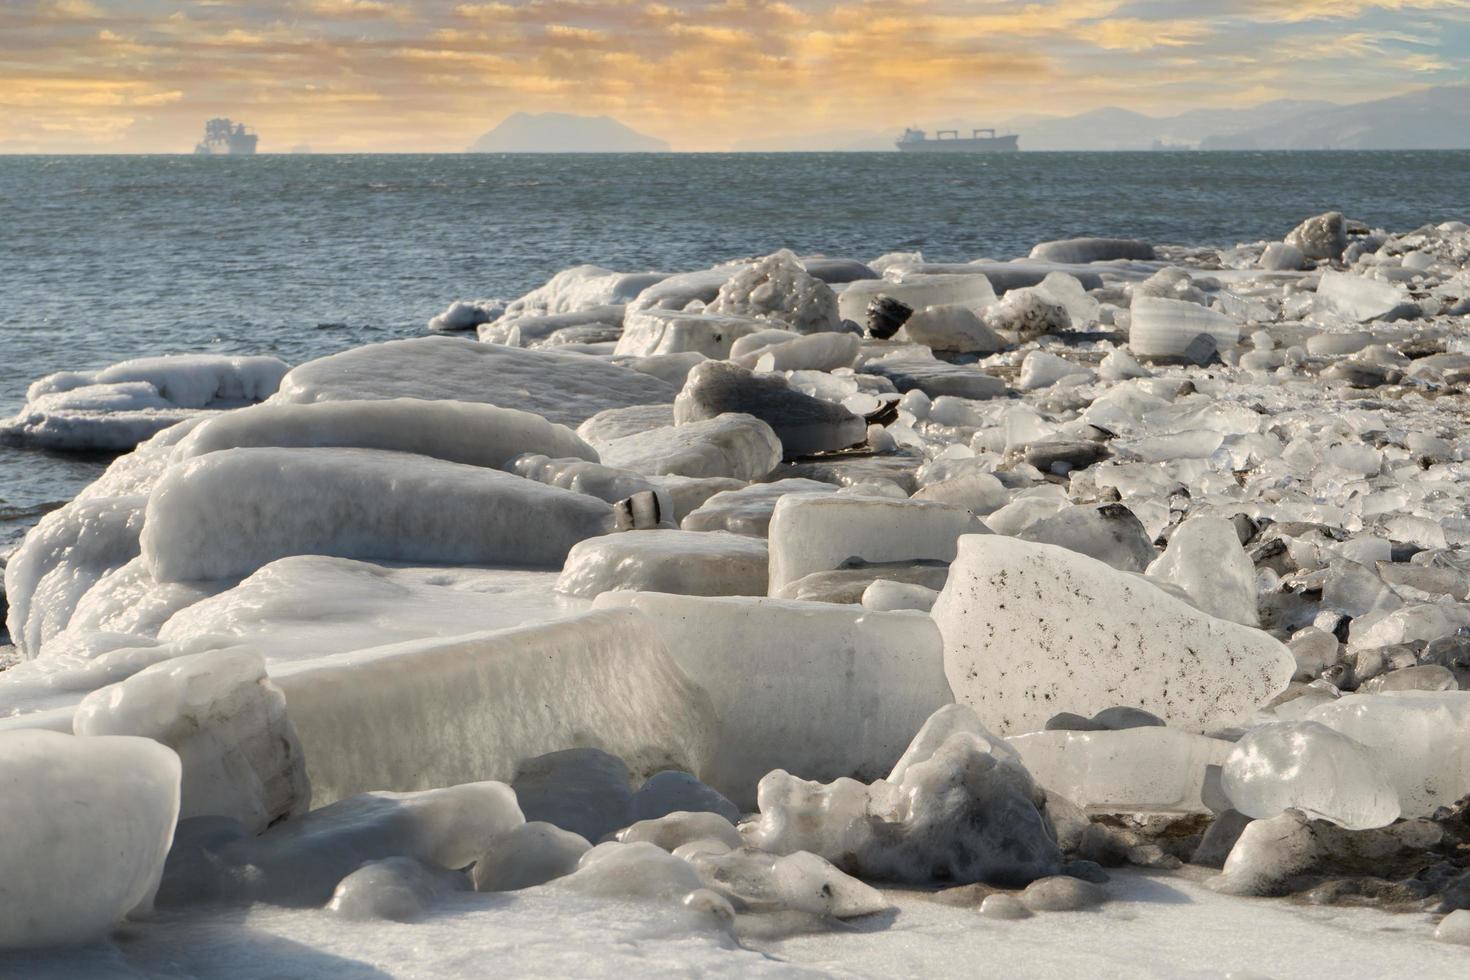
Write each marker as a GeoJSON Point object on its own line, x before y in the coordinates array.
{"type": "Point", "coordinates": [1306, 766]}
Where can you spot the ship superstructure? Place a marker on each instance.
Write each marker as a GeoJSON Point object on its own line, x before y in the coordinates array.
{"type": "Point", "coordinates": [222, 137]}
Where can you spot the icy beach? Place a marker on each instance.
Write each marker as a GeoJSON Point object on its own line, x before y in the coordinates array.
{"type": "Point", "coordinates": [1103, 612]}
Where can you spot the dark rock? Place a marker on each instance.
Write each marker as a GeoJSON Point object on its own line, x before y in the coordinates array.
{"type": "Point", "coordinates": [1077, 455]}
{"type": "Point", "coordinates": [886, 315]}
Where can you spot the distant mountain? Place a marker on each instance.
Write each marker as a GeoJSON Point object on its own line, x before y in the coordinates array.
{"type": "Point", "coordinates": [1430, 119]}
{"type": "Point", "coordinates": [1121, 129]}
{"type": "Point", "coordinates": [559, 132]}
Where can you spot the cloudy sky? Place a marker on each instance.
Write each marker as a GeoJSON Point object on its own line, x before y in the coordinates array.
{"type": "Point", "coordinates": [394, 75]}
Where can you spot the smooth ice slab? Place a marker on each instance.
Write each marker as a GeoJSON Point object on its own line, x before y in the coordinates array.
{"type": "Point", "coordinates": [1206, 560]}
{"type": "Point", "coordinates": [1166, 328]}
{"type": "Point", "coordinates": [460, 432]}
{"type": "Point", "coordinates": [228, 724]}
{"type": "Point", "coordinates": [936, 378]}
{"type": "Point", "coordinates": [228, 513]}
{"type": "Point", "coordinates": [436, 712]}
{"type": "Point", "coordinates": [1138, 770]}
{"type": "Point", "coordinates": [1306, 766]}
{"type": "Point", "coordinates": [748, 510]}
{"type": "Point", "coordinates": [820, 690]}
{"type": "Point", "coordinates": [561, 386]}
{"type": "Point", "coordinates": [87, 823]}
{"type": "Point", "coordinates": [1084, 250]}
{"type": "Point", "coordinates": [1032, 629]}
{"type": "Point", "coordinates": [679, 562]}
{"type": "Point", "coordinates": [1358, 298]}
{"type": "Point", "coordinates": [820, 532]}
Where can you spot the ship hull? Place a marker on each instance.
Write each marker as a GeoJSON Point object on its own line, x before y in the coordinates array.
{"type": "Point", "coordinates": [1000, 144]}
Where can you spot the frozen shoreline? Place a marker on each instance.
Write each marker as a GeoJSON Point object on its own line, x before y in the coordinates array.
{"type": "Point", "coordinates": [768, 524]}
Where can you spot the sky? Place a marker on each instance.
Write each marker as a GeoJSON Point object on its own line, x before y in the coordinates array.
{"type": "Point", "coordinates": [125, 76]}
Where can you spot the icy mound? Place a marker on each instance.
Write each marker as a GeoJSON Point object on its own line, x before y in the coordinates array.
{"type": "Point", "coordinates": [560, 386]}
{"type": "Point", "coordinates": [748, 510]}
{"type": "Point", "coordinates": [88, 822]}
{"type": "Point", "coordinates": [772, 350]}
{"type": "Point", "coordinates": [437, 712]}
{"type": "Point", "coordinates": [820, 690]}
{"type": "Point", "coordinates": [120, 406]}
{"type": "Point", "coordinates": [679, 562]}
{"type": "Point", "coordinates": [228, 513]}
{"type": "Point", "coordinates": [581, 288]}
{"type": "Point", "coordinates": [461, 432]}
{"type": "Point", "coordinates": [778, 287]}
{"type": "Point", "coordinates": [1032, 629]}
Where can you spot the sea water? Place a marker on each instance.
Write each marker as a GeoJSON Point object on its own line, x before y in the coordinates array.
{"type": "Point", "coordinates": [109, 257]}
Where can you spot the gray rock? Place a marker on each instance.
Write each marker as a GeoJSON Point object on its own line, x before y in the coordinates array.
{"type": "Point", "coordinates": [935, 378]}
{"type": "Point", "coordinates": [672, 791]}
{"type": "Point", "coordinates": [1075, 454]}
{"type": "Point", "coordinates": [1320, 237]}
{"type": "Point", "coordinates": [586, 791]}
{"type": "Point", "coordinates": [1217, 842]}
{"type": "Point", "coordinates": [1110, 533]}
{"type": "Point", "coordinates": [1119, 718]}
{"type": "Point", "coordinates": [804, 424]}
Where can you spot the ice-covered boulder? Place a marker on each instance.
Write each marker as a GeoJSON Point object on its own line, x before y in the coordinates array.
{"type": "Point", "coordinates": [437, 711]}
{"type": "Point", "coordinates": [936, 378]}
{"type": "Point", "coordinates": [528, 855]}
{"type": "Point", "coordinates": [814, 352]}
{"type": "Point", "coordinates": [778, 287]}
{"type": "Point", "coordinates": [464, 315]}
{"type": "Point", "coordinates": [962, 814]}
{"type": "Point", "coordinates": [819, 532]}
{"type": "Point", "coordinates": [1281, 257]}
{"type": "Point", "coordinates": [561, 386]}
{"type": "Point", "coordinates": [87, 825]}
{"type": "Point", "coordinates": [461, 432]}
{"type": "Point", "coordinates": [1028, 314]}
{"type": "Point", "coordinates": [641, 872]}
{"type": "Point", "coordinates": [1206, 560]}
{"type": "Point", "coordinates": [580, 288]}
{"type": "Point", "coordinates": [1110, 533]}
{"type": "Point", "coordinates": [228, 724]}
{"type": "Point", "coordinates": [1177, 329]}
{"type": "Point", "coordinates": [748, 510]}
{"type": "Point", "coordinates": [1419, 739]}
{"type": "Point", "coordinates": [730, 444]}
{"type": "Point", "coordinates": [1084, 250]}
{"type": "Point", "coordinates": [671, 791]}
{"type": "Point", "coordinates": [1033, 629]}
{"type": "Point", "coordinates": [300, 862]}
{"type": "Point", "coordinates": [819, 689]}
{"type": "Point", "coordinates": [1323, 236]}
{"type": "Point", "coordinates": [583, 790]}
{"type": "Point", "coordinates": [1360, 299]}
{"type": "Point", "coordinates": [650, 332]}
{"type": "Point", "coordinates": [546, 329]}
{"type": "Point", "coordinates": [803, 424]}
{"type": "Point", "coordinates": [952, 328]}
{"type": "Point", "coordinates": [396, 889]}
{"type": "Point", "coordinates": [679, 562]}
{"type": "Point", "coordinates": [1137, 770]}
{"type": "Point", "coordinates": [120, 406]}
{"type": "Point", "coordinates": [228, 513]}
{"type": "Point", "coordinates": [1306, 766]}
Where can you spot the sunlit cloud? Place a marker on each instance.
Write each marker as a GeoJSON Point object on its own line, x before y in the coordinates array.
{"type": "Point", "coordinates": [398, 75]}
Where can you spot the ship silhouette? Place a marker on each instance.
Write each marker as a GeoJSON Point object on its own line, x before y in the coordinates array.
{"type": "Point", "coordinates": [221, 137]}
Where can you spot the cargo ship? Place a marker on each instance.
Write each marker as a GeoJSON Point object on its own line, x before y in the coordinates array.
{"type": "Point", "coordinates": [950, 141]}
{"type": "Point", "coordinates": [224, 137]}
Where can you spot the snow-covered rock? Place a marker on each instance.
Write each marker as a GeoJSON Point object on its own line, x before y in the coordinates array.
{"type": "Point", "coordinates": [88, 822]}
{"type": "Point", "coordinates": [1033, 629]}
{"type": "Point", "coordinates": [1323, 236]}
